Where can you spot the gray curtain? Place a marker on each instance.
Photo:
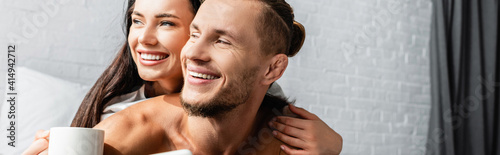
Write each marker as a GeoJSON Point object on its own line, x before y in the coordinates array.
{"type": "Point", "coordinates": [465, 62]}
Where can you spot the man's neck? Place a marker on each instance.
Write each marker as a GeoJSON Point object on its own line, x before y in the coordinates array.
{"type": "Point", "coordinates": [224, 134]}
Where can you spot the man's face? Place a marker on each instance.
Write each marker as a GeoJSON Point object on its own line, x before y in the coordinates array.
{"type": "Point", "coordinates": [221, 62]}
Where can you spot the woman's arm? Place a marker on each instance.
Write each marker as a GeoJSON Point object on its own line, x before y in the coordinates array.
{"type": "Point", "coordinates": [130, 131]}
{"type": "Point", "coordinates": [308, 134]}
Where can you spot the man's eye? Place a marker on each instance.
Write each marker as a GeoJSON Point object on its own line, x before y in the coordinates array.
{"type": "Point", "coordinates": [166, 23]}
{"type": "Point", "coordinates": [195, 35]}
{"type": "Point", "coordinates": [223, 41]}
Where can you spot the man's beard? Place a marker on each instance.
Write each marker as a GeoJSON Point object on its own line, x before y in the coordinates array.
{"type": "Point", "coordinates": [227, 99]}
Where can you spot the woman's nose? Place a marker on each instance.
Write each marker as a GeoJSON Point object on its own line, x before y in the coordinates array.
{"type": "Point", "coordinates": [148, 36]}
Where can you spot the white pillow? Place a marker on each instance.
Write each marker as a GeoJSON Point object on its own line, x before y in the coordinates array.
{"type": "Point", "coordinates": [42, 102]}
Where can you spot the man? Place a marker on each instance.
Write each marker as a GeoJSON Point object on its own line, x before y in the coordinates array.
{"type": "Point", "coordinates": [228, 65]}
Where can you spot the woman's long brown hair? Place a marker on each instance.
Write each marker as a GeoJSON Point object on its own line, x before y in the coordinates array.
{"type": "Point", "coordinates": [121, 77]}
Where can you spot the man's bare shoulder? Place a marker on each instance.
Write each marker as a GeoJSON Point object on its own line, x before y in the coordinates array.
{"type": "Point", "coordinates": [164, 109]}
{"type": "Point", "coordinates": [144, 112]}
{"type": "Point", "coordinates": [262, 142]}
{"type": "Point", "coordinates": [141, 127]}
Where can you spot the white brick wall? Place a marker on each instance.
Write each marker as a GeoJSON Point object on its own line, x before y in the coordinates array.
{"type": "Point", "coordinates": [73, 40]}
{"type": "Point", "coordinates": [364, 68]}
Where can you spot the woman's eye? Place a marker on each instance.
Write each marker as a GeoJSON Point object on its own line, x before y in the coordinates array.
{"type": "Point", "coordinates": [136, 21]}
{"type": "Point", "coordinates": [166, 23]}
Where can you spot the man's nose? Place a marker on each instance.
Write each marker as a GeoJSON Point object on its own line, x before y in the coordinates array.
{"type": "Point", "coordinates": [199, 51]}
{"type": "Point", "coordinates": [148, 36]}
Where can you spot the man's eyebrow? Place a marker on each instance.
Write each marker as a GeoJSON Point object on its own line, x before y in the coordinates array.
{"type": "Point", "coordinates": [161, 15]}
{"type": "Point", "coordinates": [195, 26]}
{"type": "Point", "coordinates": [218, 31]}
{"type": "Point", "coordinates": [226, 33]}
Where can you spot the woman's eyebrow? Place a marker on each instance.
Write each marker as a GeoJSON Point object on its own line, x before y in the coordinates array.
{"type": "Point", "coordinates": [160, 15]}
{"type": "Point", "coordinates": [138, 14]}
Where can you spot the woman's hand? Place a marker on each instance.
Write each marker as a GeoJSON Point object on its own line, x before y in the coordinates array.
{"type": "Point", "coordinates": [40, 145]}
{"type": "Point", "coordinates": [306, 135]}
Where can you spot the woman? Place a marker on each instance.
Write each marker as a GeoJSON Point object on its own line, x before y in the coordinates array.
{"type": "Point", "coordinates": [137, 74]}
{"type": "Point", "coordinates": [127, 74]}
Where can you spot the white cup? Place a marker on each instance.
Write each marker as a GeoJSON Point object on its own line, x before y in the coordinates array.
{"type": "Point", "coordinates": [76, 141]}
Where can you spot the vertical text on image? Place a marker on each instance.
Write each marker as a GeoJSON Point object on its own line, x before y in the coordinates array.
{"type": "Point", "coordinates": [11, 95]}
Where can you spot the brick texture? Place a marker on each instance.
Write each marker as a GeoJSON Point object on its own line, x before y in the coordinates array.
{"type": "Point", "coordinates": [364, 70]}
{"type": "Point", "coordinates": [74, 40]}
{"type": "Point", "coordinates": [364, 67]}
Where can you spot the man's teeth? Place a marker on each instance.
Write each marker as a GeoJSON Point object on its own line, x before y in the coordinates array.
{"type": "Point", "coordinates": [203, 76]}
{"type": "Point", "coordinates": [152, 56]}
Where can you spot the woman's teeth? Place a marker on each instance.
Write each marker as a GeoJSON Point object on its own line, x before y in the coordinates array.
{"type": "Point", "coordinates": [153, 56]}
{"type": "Point", "coordinates": [203, 76]}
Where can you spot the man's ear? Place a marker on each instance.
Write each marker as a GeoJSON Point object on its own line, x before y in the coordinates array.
{"type": "Point", "coordinates": [276, 68]}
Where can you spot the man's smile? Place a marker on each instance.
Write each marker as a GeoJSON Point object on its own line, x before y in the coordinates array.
{"type": "Point", "coordinates": [202, 76]}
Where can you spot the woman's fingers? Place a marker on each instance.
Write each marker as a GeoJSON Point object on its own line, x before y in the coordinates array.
{"type": "Point", "coordinates": [302, 112]}
{"type": "Point", "coordinates": [37, 147]}
{"type": "Point", "coordinates": [306, 135]}
{"type": "Point", "coordinates": [286, 129]}
{"type": "Point", "coordinates": [295, 122]}
{"type": "Point", "coordinates": [292, 141]}
{"type": "Point", "coordinates": [40, 144]}
{"type": "Point", "coordinates": [42, 134]}
{"type": "Point", "coordinates": [292, 151]}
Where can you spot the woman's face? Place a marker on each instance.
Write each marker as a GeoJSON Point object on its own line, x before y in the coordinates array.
{"type": "Point", "coordinates": [159, 30]}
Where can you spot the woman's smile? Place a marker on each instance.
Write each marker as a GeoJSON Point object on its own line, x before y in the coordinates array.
{"type": "Point", "coordinates": [151, 58]}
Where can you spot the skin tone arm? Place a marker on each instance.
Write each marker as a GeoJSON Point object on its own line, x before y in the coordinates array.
{"type": "Point", "coordinates": [309, 135]}
{"type": "Point", "coordinates": [133, 131]}
{"type": "Point", "coordinates": [129, 128]}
